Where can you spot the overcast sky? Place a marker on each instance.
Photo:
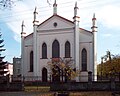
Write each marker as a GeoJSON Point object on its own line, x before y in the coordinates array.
{"type": "Point", "coordinates": [107, 14]}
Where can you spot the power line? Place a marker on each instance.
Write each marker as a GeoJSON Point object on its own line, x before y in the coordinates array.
{"type": "Point", "coordinates": [27, 12]}
{"type": "Point", "coordinates": [30, 10]}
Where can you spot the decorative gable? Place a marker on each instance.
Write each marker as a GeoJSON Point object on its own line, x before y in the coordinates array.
{"type": "Point", "coordinates": [55, 22]}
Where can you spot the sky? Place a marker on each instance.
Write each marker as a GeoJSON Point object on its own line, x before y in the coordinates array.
{"type": "Point", "coordinates": [107, 13]}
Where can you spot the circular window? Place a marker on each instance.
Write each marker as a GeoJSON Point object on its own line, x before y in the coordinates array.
{"type": "Point", "coordinates": [55, 24]}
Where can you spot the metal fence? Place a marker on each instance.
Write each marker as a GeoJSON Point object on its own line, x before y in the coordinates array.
{"type": "Point", "coordinates": [49, 79]}
{"type": "Point", "coordinates": [102, 83]}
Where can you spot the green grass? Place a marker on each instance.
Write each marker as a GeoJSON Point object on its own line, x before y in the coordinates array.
{"type": "Point", "coordinates": [99, 93]}
{"type": "Point", "coordinates": [37, 88]}
{"type": "Point", "coordinates": [92, 93]}
{"type": "Point", "coordinates": [46, 91]}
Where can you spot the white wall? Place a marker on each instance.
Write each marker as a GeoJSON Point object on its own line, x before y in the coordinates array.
{"type": "Point", "coordinates": [86, 41]}
{"type": "Point", "coordinates": [64, 31]}
{"type": "Point", "coordinates": [62, 37]}
{"type": "Point", "coordinates": [28, 47]}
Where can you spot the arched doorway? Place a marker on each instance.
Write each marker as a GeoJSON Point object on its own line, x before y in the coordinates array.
{"type": "Point", "coordinates": [44, 75]}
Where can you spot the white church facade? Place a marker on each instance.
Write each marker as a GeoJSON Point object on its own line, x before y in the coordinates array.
{"type": "Point", "coordinates": [58, 37]}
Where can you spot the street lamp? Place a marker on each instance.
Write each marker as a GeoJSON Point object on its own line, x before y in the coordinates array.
{"type": "Point", "coordinates": [101, 66]}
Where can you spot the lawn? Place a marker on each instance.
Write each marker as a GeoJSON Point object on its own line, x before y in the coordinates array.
{"type": "Point", "coordinates": [45, 90]}
{"type": "Point", "coordinates": [37, 88]}
{"type": "Point", "coordinates": [96, 93]}
{"type": "Point", "coordinates": [93, 93]}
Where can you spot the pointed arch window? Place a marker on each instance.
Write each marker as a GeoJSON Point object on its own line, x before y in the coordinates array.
{"type": "Point", "coordinates": [67, 49]}
{"type": "Point", "coordinates": [44, 51]}
{"type": "Point", "coordinates": [44, 75]}
{"type": "Point", "coordinates": [55, 49]}
{"type": "Point", "coordinates": [31, 61]}
{"type": "Point", "coordinates": [84, 60]}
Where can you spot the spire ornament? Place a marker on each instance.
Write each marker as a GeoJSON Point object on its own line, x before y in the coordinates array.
{"type": "Point", "coordinates": [55, 8]}
{"type": "Point", "coordinates": [22, 29]}
{"type": "Point", "coordinates": [22, 26]}
{"type": "Point", "coordinates": [94, 25]}
{"type": "Point", "coordinates": [35, 15]}
{"type": "Point", "coordinates": [76, 17]}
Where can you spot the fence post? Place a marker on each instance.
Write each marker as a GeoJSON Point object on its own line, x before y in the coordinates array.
{"type": "Point", "coordinates": [8, 83]}
{"type": "Point", "coordinates": [89, 80]}
{"type": "Point", "coordinates": [119, 76]}
{"type": "Point", "coordinates": [23, 80]}
{"type": "Point", "coordinates": [112, 82]}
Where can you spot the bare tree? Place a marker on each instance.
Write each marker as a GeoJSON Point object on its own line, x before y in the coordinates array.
{"type": "Point", "coordinates": [61, 68]}
{"type": "Point", "coordinates": [48, 2]}
{"type": "Point", "coordinates": [8, 3]}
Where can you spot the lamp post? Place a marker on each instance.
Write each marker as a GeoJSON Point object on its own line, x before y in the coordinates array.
{"type": "Point", "coordinates": [105, 58]}
{"type": "Point", "coordinates": [101, 66]}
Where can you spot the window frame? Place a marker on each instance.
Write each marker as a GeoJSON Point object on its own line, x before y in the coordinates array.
{"type": "Point", "coordinates": [84, 59]}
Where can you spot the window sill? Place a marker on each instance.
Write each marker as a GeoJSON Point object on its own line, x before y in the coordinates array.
{"type": "Point", "coordinates": [67, 57]}
{"type": "Point", "coordinates": [30, 71]}
{"type": "Point", "coordinates": [43, 58]}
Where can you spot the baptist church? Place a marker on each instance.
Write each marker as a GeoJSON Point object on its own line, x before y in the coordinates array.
{"type": "Point", "coordinates": [58, 37]}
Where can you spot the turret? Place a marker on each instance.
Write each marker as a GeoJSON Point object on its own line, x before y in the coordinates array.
{"type": "Point", "coordinates": [22, 47]}
{"type": "Point", "coordinates": [55, 8]}
{"type": "Point", "coordinates": [76, 36]}
{"type": "Point", "coordinates": [94, 25]}
{"type": "Point", "coordinates": [94, 30]}
{"type": "Point", "coordinates": [22, 29]}
{"type": "Point", "coordinates": [76, 17]}
{"type": "Point", "coordinates": [35, 45]}
{"type": "Point", "coordinates": [35, 22]}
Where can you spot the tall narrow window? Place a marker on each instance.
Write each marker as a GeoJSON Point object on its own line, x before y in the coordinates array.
{"type": "Point", "coordinates": [44, 75]}
{"type": "Point", "coordinates": [31, 61]}
{"type": "Point", "coordinates": [44, 51]}
{"type": "Point", "coordinates": [84, 60]}
{"type": "Point", "coordinates": [67, 49]}
{"type": "Point", "coordinates": [55, 49]}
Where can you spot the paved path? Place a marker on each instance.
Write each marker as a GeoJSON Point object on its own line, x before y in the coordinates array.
{"type": "Point", "coordinates": [20, 93]}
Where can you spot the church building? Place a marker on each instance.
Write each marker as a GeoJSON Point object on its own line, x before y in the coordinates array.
{"type": "Point", "coordinates": [58, 37]}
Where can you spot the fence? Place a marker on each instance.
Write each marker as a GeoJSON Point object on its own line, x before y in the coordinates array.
{"type": "Point", "coordinates": [49, 79]}
{"type": "Point", "coordinates": [85, 86]}
{"type": "Point", "coordinates": [18, 83]}
{"type": "Point", "coordinates": [12, 86]}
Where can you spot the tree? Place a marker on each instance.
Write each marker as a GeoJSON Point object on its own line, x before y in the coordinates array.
{"type": "Point", "coordinates": [7, 3]}
{"type": "Point", "coordinates": [63, 69]}
{"type": "Point", "coordinates": [111, 65]}
{"type": "Point", "coordinates": [48, 2]}
{"type": "Point", "coordinates": [10, 3]}
{"type": "Point", "coordinates": [2, 63]}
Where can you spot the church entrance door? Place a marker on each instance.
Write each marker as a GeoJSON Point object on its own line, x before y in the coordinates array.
{"type": "Point", "coordinates": [44, 75]}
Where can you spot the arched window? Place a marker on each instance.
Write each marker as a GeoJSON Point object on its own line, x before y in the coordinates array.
{"type": "Point", "coordinates": [31, 61]}
{"type": "Point", "coordinates": [55, 49]}
{"type": "Point", "coordinates": [84, 60]}
{"type": "Point", "coordinates": [67, 49]}
{"type": "Point", "coordinates": [44, 51]}
{"type": "Point", "coordinates": [44, 75]}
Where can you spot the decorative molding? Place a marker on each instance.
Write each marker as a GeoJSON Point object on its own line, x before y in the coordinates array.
{"type": "Point", "coordinates": [54, 30]}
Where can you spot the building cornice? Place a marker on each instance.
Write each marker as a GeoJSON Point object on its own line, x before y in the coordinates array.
{"type": "Point", "coordinates": [55, 30]}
